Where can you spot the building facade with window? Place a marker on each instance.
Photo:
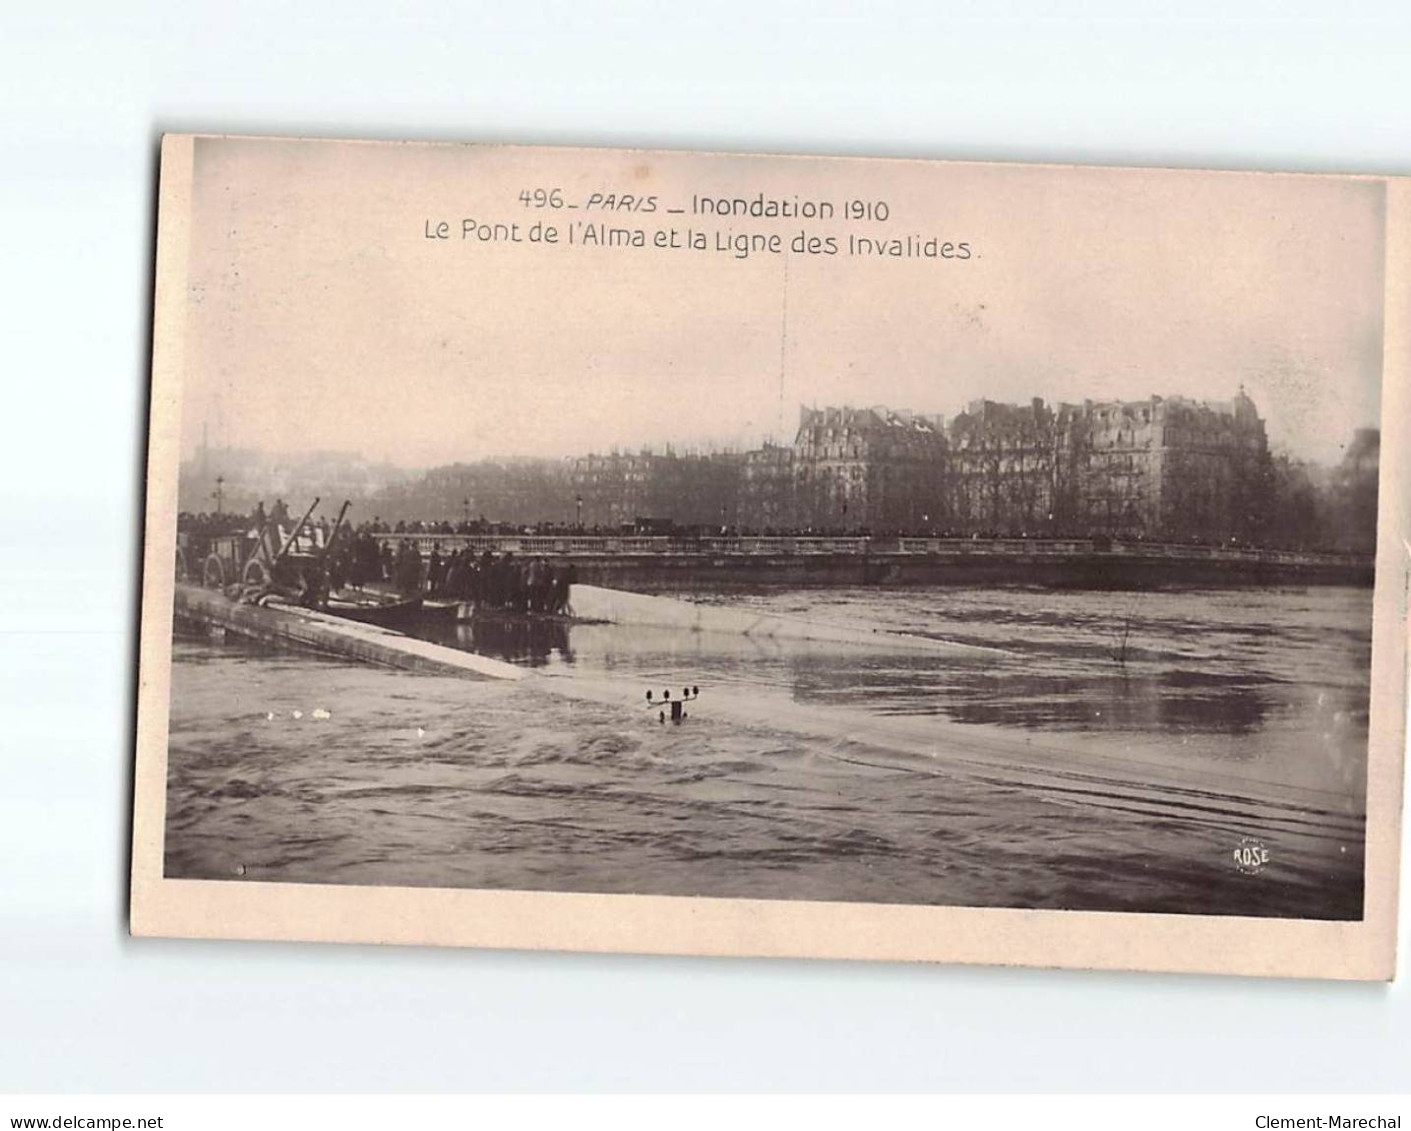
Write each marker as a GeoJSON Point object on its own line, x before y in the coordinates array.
{"type": "Point", "coordinates": [1160, 468]}
{"type": "Point", "coordinates": [869, 469]}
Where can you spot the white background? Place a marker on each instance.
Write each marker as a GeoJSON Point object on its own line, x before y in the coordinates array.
{"type": "Point", "coordinates": [85, 90]}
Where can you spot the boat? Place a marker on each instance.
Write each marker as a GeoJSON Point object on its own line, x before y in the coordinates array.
{"type": "Point", "coordinates": [437, 608]}
{"type": "Point", "coordinates": [384, 613]}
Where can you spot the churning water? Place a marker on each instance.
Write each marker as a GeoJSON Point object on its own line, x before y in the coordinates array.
{"type": "Point", "coordinates": [1103, 751]}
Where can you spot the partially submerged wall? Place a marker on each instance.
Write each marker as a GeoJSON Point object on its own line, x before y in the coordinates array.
{"type": "Point", "coordinates": [617, 606]}
{"type": "Point", "coordinates": [334, 636]}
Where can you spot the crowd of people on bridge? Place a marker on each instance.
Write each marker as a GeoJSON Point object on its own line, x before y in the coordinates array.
{"type": "Point", "coordinates": [488, 580]}
{"type": "Point", "coordinates": [378, 525]}
{"type": "Point", "coordinates": [379, 555]}
{"type": "Point", "coordinates": [365, 557]}
{"type": "Point", "coordinates": [524, 585]}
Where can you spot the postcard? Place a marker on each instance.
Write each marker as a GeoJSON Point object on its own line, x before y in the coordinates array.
{"type": "Point", "coordinates": [736, 554]}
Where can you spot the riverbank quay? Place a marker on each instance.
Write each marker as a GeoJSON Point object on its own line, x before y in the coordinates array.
{"type": "Point", "coordinates": [310, 630]}
{"type": "Point", "coordinates": [666, 562]}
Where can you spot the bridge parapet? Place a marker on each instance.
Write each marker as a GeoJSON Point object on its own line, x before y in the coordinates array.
{"type": "Point", "coordinates": [666, 545]}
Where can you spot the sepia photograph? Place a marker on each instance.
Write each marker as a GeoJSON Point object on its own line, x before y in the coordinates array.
{"type": "Point", "coordinates": [798, 536]}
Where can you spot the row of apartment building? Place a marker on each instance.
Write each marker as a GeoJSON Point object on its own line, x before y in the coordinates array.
{"type": "Point", "coordinates": [1165, 467]}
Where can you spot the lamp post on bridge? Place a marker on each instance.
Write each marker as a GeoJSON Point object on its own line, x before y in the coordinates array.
{"type": "Point", "coordinates": [579, 501]}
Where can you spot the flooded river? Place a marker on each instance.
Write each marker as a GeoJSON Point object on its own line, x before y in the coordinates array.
{"type": "Point", "coordinates": [1103, 751]}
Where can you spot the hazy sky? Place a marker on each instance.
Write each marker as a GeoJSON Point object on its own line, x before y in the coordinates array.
{"type": "Point", "coordinates": [321, 316]}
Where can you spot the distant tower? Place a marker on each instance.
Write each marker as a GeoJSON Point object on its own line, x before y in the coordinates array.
{"type": "Point", "coordinates": [1245, 411]}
